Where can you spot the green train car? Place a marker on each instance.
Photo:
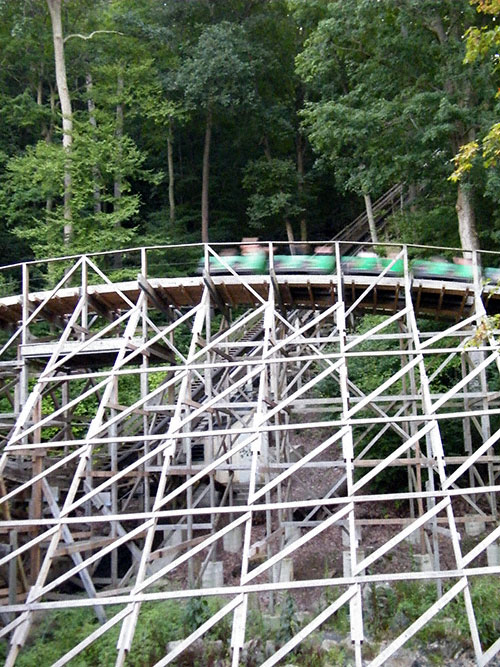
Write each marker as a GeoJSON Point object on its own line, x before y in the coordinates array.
{"type": "Point", "coordinates": [255, 263]}
{"type": "Point", "coordinates": [371, 266]}
{"type": "Point", "coordinates": [363, 264]}
{"type": "Point", "coordinates": [304, 264]}
{"type": "Point", "coordinates": [441, 269]}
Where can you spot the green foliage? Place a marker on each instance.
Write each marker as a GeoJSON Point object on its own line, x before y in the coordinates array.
{"type": "Point", "coordinates": [219, 72]}
{"type": "Point", "coordinates": [391, 609]}
{"type": "Point", "coordinates": [339, 621]}
{"type": "Point", "coordinates": [481, 47]}
{"type": "Point", "coordinates": [97, 157]}
{"type": "Point", "coordinates": [273, 184]}
{"type": "Point", "coordinates": [369, 372]}
{"type": "Point", "coordinates": [60, 631]}
{"type": "Point", "coordinates": [336, 656]}
{"type": "Point", "coordinates": [381, 90]}
{"type": "Point", "coordinates": [378, 124]}
{"type": "Point", "coordinates": [288, 624]}
{"type": "Point", "coordinates": [196, 612]}
{"type": "Point", "coordinates": [434, 221]}
{"type": "Point", "coordinates": [486, 600]}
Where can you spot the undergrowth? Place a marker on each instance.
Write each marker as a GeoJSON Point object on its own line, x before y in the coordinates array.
{"type": "Point", "coordinates": [387, 611]}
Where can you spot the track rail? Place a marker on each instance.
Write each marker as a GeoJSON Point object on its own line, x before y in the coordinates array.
{"type": "Point", "coordinates": [441, 298]}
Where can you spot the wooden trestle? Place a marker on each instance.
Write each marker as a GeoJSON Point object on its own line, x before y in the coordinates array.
{"type": "Point", "coordinates": [153, 426]}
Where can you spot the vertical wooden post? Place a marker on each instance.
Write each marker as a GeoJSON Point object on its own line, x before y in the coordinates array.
{"type": "Point", "coordinates": [23, 380]}
{"type": "Point", "coordinates": [13, 568]}
{"type": "Point", "coordinates": [36, 493]}
{"type": "Point", "coordinates": [113, 457]}
{"type": "Point", "coordinates": [85, 295]}
{"type": "Point", "coordinates": [355, 603]}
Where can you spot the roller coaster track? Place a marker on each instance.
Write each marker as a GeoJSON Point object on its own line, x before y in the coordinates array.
{"type": "Point", "coordinates": [184, 438]}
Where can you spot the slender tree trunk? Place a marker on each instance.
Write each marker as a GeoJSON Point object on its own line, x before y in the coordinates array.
{"type": "Point", "coordinates": [39, 91]}
{"type": "Point", "coordinates": [67, 113]}
{"type": "Point", "coordinates": [371, 219]}
{"type": "Point", "coordinates": [117, 185]}
{"type": "Point", "coordinates": [46, 130]}
{"type": "Point", "coordinates": [52, 114]}
{"type": "Point", "coordinates": [303, 229]}
{"type": "Point", "coordinates": [291, 239]}
{"type": "Point", "coordinates": [412, 196]}
{"type": "Point", "coordinates": [206, 178]}
{"type": "Point", "coordinates": [466, 219]}
{"type": "Point", "coordinates": [93, 123]}
{"type": "Point", "coordinates": [300, 182]}
{"type": "Point", "coordinates": [267, 150]}
{"type": "Point", "coordinates": [171, 175]}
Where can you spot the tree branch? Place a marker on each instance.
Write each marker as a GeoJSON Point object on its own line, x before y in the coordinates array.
{"type": "Point", "coordinates": [96, 32]}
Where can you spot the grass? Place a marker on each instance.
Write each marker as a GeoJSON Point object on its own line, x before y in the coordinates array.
{"type": "Point", "coordinates": [387, 611]}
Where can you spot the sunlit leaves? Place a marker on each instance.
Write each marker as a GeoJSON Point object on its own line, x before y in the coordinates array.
{"type": "Point", "coordinates": [463, 160]}
{"type": "Point", "coordinates": [487, 6]}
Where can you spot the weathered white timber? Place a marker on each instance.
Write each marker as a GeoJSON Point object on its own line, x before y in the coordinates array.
{"type": "Point", "coordinates": [230, 446]}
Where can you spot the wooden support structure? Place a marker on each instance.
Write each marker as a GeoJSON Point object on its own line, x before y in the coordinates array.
{"type": "Point", "coordinates": [148, 434]}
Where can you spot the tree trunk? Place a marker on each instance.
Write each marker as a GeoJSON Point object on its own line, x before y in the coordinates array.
{"type": "Point", "coordinates": [300, 182]}
{"type": "Point", "coordinates": [39, 91]}
{"type": "Point", "coordinates": [46, 130]}
{"type": "Point", "coordinates": [291, 239]}
{"type": "Point", "coordinates": [171, 175]}
{"type": "Point", "coordinates": [67, 113]}
{"type": "Point", "coordinates": [93, 123]}
{"type": "Point", "coordinates": [267, 150]}
{"type": "Point", "coordinates": [117, 185]}
{"type": "Point", "coordinates": [371, 219]}
{"type": "Point", "coordinates": [412, 196]}
{"type": "Point", "coordinates": [206, 178]}
{"type": "Point", "coordinates": [52, 114]}
{"type": "Point", "coordinates": [469, 239]}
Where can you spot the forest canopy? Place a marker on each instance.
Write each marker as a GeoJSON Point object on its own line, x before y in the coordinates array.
{"type": "Point", "coordinates": [180, 121]}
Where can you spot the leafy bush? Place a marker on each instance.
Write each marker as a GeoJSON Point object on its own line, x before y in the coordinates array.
{"type": "Point", "coordinates": [60, 631]}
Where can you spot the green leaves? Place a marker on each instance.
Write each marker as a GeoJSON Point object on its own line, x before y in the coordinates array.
{"type": "Point", "coordinates": [274, 197]}
{"type": "Point", "coordinates": [36, 177]}
{"type": "Point", "coordinates": [220, 71]}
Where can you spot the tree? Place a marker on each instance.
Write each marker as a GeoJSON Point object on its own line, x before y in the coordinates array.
{"type": "Point", "coordinates": [389, 97]}
{"type": "Point", "coordinates": [217, 78]}
{"type": "Point", "coordinates": [273, 184]}
{"type": "Point", "coordinates": [166, 122]}
{"type": "Point", "coordinates": [350, 121]}
{"type": "Point", "coordinates": [481, 44]}
{"type": "Point", "coordinates": [102, 157]}
{"type": "Point", "coordinates": [66, 109]}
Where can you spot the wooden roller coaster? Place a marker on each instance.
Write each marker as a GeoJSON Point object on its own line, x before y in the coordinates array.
{"type": "Point", "coordinates": [231, 437]}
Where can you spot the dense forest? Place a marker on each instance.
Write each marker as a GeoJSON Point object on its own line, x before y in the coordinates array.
{"type": "Point", "coordinates": [132, 123]}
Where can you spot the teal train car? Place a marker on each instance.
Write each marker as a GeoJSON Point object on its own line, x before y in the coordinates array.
{"type": "Point", "coordinates": [304, 264]}
{"type": "Point", "coordinates": [371, 265]}
{"type": "Point", "coordinates": [440, 269]}
{"type": "Point", "coordinates": [255, 263]}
